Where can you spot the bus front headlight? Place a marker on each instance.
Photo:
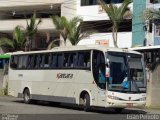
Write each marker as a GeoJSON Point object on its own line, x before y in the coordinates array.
{"type": "Point", "coordinates": [142, 99]}
{"type": "Point", "coordinates": [113, 97]}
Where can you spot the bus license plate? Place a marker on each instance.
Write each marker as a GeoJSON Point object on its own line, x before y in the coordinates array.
{"type": "Point", "coordinates": [130, 105]}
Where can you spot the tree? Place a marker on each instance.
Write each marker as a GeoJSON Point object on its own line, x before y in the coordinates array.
{"type": "Point", "coordinates": [61, 24]}
{"type": "Point", "coordinates": [18, 41]}
{"type": "Point", "coordinates": [70, 30]}
{"type": "Point", "coordinates": [151, 14]}
{"type": "Point", "coordinates": [31, 30]}
{"type": "Point", "coordinates": [116, 15]}
{"type": "Point", "coordinates": [74, 31]}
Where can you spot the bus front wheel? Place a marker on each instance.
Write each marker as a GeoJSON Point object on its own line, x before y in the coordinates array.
{"type": "Point", "coordinates": [26, 96]}
{"type": "Point", "coordinates": [86, 103]}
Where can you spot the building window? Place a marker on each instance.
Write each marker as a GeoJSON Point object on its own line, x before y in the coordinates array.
{"type": "Point", "coordinates": [113, 1]}
{"type": "Point", "coordinates": [154, 1]}
{"type": "Point", "coordinates": [88, 2]}
{"type": "Point", "coordinates": [157, 31]}
{"type": "Point", "coordinates": [93, 2]}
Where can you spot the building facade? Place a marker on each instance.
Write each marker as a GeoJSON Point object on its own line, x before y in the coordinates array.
{"type": "Point", "coordinates": [154, 33]}
{"type": "Point", "coordinates": [95, 19]}
{"type": "Point", "coordinates": [13, 13]}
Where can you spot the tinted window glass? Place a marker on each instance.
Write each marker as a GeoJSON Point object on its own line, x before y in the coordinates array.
{"type": "Point", "coordinates": [24, 62]}
{"type": "Point", "coordinates": [99, 68]}
{"type": "Point", "coordinates": [31, 61]}
{"type": "Point", "coordinates": [70, 60]}
{"type": "Point", "coordinates": [54, 60]}
{"type": "Point", "coordinates": [83, 59]}
{"type": "Point", "coordinates": [66, 60]}
{"type": "Point", "coordinates": [88, 2]}
{"type": "Point", "coordinates": [46, 60]}
{"type": "Point", "coordinates": [20, 61]}
{"type": "Point", "coordinates": [59, 60]}
{"type": "Point", "coordinates": [14, 62]}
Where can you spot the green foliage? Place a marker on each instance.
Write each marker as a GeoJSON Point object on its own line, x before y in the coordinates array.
{"type": "Point", "coordinates": [74, 30]}
{"type": "Point", "coordinates": [17, 42]}
{"type": "Point", "coordinates": [22, 38]}
{"type": "Point", "coordinates": [32, 26]}
{"type": "Point", "coordinates": [31, 30]}
{"type": "Point", "coordinates": [70, 30]}
{"type": "Point", "coordinates": [150, 14]}
{"type": "Point", "coordinates": [19, 38]}
{"type": "Point", "coordinates": [61, 24]}
{"type": "Point", "coordinates": [5, 42]}
{"type": "Point", "coordinates": [116, 15]}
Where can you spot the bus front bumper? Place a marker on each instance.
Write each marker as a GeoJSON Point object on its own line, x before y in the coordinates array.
{"type": "Point", "coordinates": [125, 104]}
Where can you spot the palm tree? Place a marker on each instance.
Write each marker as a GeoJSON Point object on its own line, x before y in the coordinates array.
{"type": "Point", "coordinates": [61, 24]}
{"type": "Point", "coordinates": [31, 30]}
{"type": "Point", "coordinates": [70, 30]}
{"type": "Point", "coordinates": [150, 14]}
{"type": "Point", "coordinates": [74, 31]}
{"type": "Point", "coordinates": [116, 15]}
{"type": "Point", "coordinates": [18, 41]}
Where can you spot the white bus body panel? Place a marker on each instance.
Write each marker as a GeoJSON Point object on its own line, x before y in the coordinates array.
{"type": "Point", "coordinates": [44, 84]}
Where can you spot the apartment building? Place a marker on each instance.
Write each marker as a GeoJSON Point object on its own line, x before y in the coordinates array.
{"type": "Point", "coordinates": [95, 19]}
{"type": "Point", "coordinates": [154, 31]}
{"type": "Point", "coordinates": [13, 13]}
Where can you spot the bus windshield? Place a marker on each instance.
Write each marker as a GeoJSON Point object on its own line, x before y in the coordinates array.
{"type": "Point", "coordinates": [126, 72]}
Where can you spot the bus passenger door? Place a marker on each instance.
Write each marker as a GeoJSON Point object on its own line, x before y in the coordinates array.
{"type": "Point", "coordinates": [98, 69]}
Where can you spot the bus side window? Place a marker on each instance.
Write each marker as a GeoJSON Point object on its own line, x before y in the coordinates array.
{"type": "Point", "coordinates": [14, 62]}
{"type": "Point", "coordinates": [60, 60]}
{"type": "Point", "coordinates": [72, 60]}
{"type": "Point", "coordinates": [80, 59]}
{"type": "Point", "coordinates": [38, 61]}
{"type": "Point", "coordinates": [54, 61]}
{"type": "Point", "coordinates": [83, 59]}
{"type": "Point", "coordinates": [46, 60]}
{"type": "Point", "coordinates": [20, 62]}
{"type": "Point", "coordinates": [75, 56]}
{"type": "Point", "coordinates": [87, 59]}
{"type": "Point", "coordinates": [66, 60]}
{"type": "Point", "coordinates": [33, 61]}
{"type": "Point", "coordinates": [30, 63]}
{"type": "Point", "coordinates": [24, 61]}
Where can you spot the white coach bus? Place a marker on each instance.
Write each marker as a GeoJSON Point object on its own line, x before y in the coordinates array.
{"type": "Point", "coordinates": [83, 75]}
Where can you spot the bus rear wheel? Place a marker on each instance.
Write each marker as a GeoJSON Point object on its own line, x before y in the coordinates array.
{"type": "Point", "coordinates": [86, 103]}
{"type": "Point", "coordinates": [26, 96]}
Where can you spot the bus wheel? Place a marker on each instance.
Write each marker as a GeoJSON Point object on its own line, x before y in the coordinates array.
{"type": "Point", "coordinates": [86, 103]}
{"type": "Point", "coordinates": [118, 110]}
{"type": "Point", "coordinates": [26, 96]}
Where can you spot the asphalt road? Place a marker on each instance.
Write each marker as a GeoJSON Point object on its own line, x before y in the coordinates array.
{"type": "Point", "coordinates": [14, 109]}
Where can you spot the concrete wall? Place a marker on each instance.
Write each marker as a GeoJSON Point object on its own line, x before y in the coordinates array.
{"type": "Point", "coordinates": [7, 4]}
{"type": "Point", "coordinates": [154, 88]}
{"type": "Point", "coordinates": [124, 39]}
{"type": "Point", "coordinates": [9, 25]}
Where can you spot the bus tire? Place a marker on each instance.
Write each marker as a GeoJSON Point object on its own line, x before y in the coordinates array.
{"type": "Point", "coordinates": [118, 110]}
{"type": "Point", "coordinates": [26, 96]}
{"type": "Point", "coordinates": [86, 103]}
